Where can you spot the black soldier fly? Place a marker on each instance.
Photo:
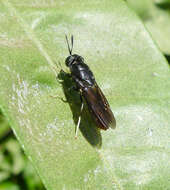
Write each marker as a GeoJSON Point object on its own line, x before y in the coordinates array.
{"type": "Point", "coordinates": [89, 90]}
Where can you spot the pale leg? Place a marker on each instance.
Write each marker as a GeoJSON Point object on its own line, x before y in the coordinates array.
{"type": "Point", "coordinates": [78, 123]}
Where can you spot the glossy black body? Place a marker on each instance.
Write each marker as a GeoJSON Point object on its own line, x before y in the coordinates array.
{"type": "Point", "coordinates": [80, 72]}
{"type": "Point", "coordinates": [88, 88]}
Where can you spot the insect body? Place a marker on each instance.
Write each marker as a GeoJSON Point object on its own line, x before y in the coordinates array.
{"type": "Point", "coordinates": [88, 88]}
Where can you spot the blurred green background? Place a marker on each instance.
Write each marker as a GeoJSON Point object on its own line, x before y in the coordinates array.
{"type": "Point", "coordinates": [16, 171]}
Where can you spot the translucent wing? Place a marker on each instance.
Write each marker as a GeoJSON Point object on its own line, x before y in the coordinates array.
{"type": "Point", "coordinates": [99, 106]}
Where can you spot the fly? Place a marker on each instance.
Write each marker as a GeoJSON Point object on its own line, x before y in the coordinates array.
{"type": "Point", "coordinates": [89, 91]}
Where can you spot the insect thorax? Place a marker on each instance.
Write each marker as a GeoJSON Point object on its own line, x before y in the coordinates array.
{"type": "Point", "coordinates": [82, 73]}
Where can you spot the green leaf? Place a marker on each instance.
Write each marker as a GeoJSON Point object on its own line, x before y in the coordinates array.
{"type": "Point", "coordinates": [17, 159]}
{"type": "Point", "coordinates": [156, 17]}
{"type": "Point", "coordinates": [162, 2]}
{"type": "Point", "coordinates": [11, 159]}
{"type": "Point", "coordinates": [128, 67]}
{"type": "Point", "coordinates": [4, 127]}
{"type": "Point", "coordinates": [32, 180]}
{"type": "Point", "coordinates": [9, 186]}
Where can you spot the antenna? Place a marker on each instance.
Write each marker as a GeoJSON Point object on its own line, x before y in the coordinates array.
{"type": "Point", "coordinates": [70, 50]}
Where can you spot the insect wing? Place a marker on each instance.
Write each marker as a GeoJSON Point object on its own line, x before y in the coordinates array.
{"type": "Point", "coordinates": [99, 106]}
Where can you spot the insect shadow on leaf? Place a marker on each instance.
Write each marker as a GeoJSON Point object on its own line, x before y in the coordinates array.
{"type": "Point", "coordinates": [87, 125]}
{"type": "Point", "coordinates": [167, 58]}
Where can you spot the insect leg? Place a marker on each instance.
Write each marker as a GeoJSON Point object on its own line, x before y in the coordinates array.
{"type": "Point", "coordinates": [73, 88]}
{"type": "Point", "coordinates": [81, 109]}
{"type": "Point", "coordinates": [58, 65]}
{"type": "Point", "coordinates": [56, 96]}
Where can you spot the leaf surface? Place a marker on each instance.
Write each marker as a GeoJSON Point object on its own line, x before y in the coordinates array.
{"type": "Point", "coordinates": [128, 67]}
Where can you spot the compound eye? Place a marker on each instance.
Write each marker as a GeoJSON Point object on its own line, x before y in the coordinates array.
{"type": "Point", "coordinates": [69, 60]}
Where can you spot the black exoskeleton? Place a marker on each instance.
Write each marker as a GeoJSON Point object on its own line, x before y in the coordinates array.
{"type": "Point", "coordinates": [80, 72]}
{"type": "Point", "coordinates": [88, 88]}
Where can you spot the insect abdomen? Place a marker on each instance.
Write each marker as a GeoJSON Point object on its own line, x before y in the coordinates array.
{"type": "Point", "coordinates": [99, 106]}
